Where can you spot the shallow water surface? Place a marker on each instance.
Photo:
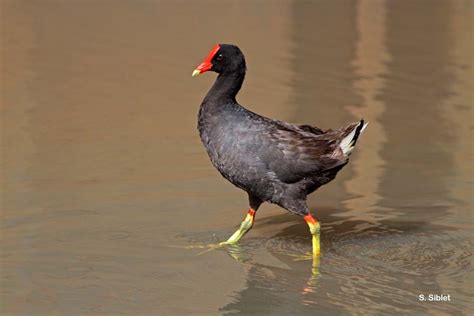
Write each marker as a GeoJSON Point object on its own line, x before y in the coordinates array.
{"type": "Point", "coordinates": [109, 199]}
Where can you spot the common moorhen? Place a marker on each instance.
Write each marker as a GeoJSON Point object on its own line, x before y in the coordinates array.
{"type": "Point", "coordinates": [272, 161]}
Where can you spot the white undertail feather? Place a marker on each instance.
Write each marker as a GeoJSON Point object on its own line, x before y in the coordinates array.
{"type": "Point", "coordinates": [348, 142]}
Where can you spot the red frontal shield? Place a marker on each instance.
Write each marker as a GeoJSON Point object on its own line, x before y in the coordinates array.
{"type": "Point", "coordinates": [206, 65]}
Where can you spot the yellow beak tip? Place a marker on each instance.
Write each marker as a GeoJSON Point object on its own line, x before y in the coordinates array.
{"type": "Point", "coordinates": [195, 73]}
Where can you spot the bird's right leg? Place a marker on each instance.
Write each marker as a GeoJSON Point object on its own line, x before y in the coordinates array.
{"type": "Point", "coordinates": [314, 228]}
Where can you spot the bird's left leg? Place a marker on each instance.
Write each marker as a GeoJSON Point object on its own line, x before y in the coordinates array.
{"type": "Point", "coordinates": [245, 226]}
{"type": "Point", "coordinates": [314, 228]}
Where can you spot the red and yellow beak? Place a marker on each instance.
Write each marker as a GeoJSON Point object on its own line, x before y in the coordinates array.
{"type": "Point", "coordinates": [206, 65]}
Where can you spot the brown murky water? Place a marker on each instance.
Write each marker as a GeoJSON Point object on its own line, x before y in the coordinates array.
{"type": "Point", "coordinates": [105, 184]}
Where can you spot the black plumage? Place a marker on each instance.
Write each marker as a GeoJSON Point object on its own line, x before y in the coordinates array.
{"type": "Point", "coordinates": [272, 161]}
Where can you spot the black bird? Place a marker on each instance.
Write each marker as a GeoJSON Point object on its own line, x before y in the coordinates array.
{"type": "Point", "coordinates": [272, 161]}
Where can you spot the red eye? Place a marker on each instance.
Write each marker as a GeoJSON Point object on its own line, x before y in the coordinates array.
{"type": "Point", "coordinates": [219, 57]}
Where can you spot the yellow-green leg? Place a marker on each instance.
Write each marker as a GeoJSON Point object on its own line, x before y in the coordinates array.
{"type": "Point", "coordinates": [245, 226]}
{"type": "Point", "coordinates": [314, 228]}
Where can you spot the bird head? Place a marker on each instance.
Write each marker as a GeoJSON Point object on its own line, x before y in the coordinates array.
{"type": "Point", "coordinates": [223, 58]}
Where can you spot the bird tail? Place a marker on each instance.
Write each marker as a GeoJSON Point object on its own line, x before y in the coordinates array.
{"type": "Point", "coordinates": [347, 143]}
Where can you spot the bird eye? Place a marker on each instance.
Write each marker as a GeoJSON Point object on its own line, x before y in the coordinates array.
{"type": "Point", "coordinates": [219, 57]}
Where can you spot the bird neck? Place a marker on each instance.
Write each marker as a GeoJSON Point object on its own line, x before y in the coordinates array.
{"type": "Point", "coordinates": [226, 87]}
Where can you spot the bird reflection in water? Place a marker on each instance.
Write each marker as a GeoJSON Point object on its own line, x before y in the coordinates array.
{"type": "Point", "coordinates": [285, 257]}
{"type": "Point", "coordinates": [243, 254]}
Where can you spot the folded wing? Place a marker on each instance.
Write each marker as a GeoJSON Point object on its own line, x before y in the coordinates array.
{"type": "Point", "coordinates": [299, 152]}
